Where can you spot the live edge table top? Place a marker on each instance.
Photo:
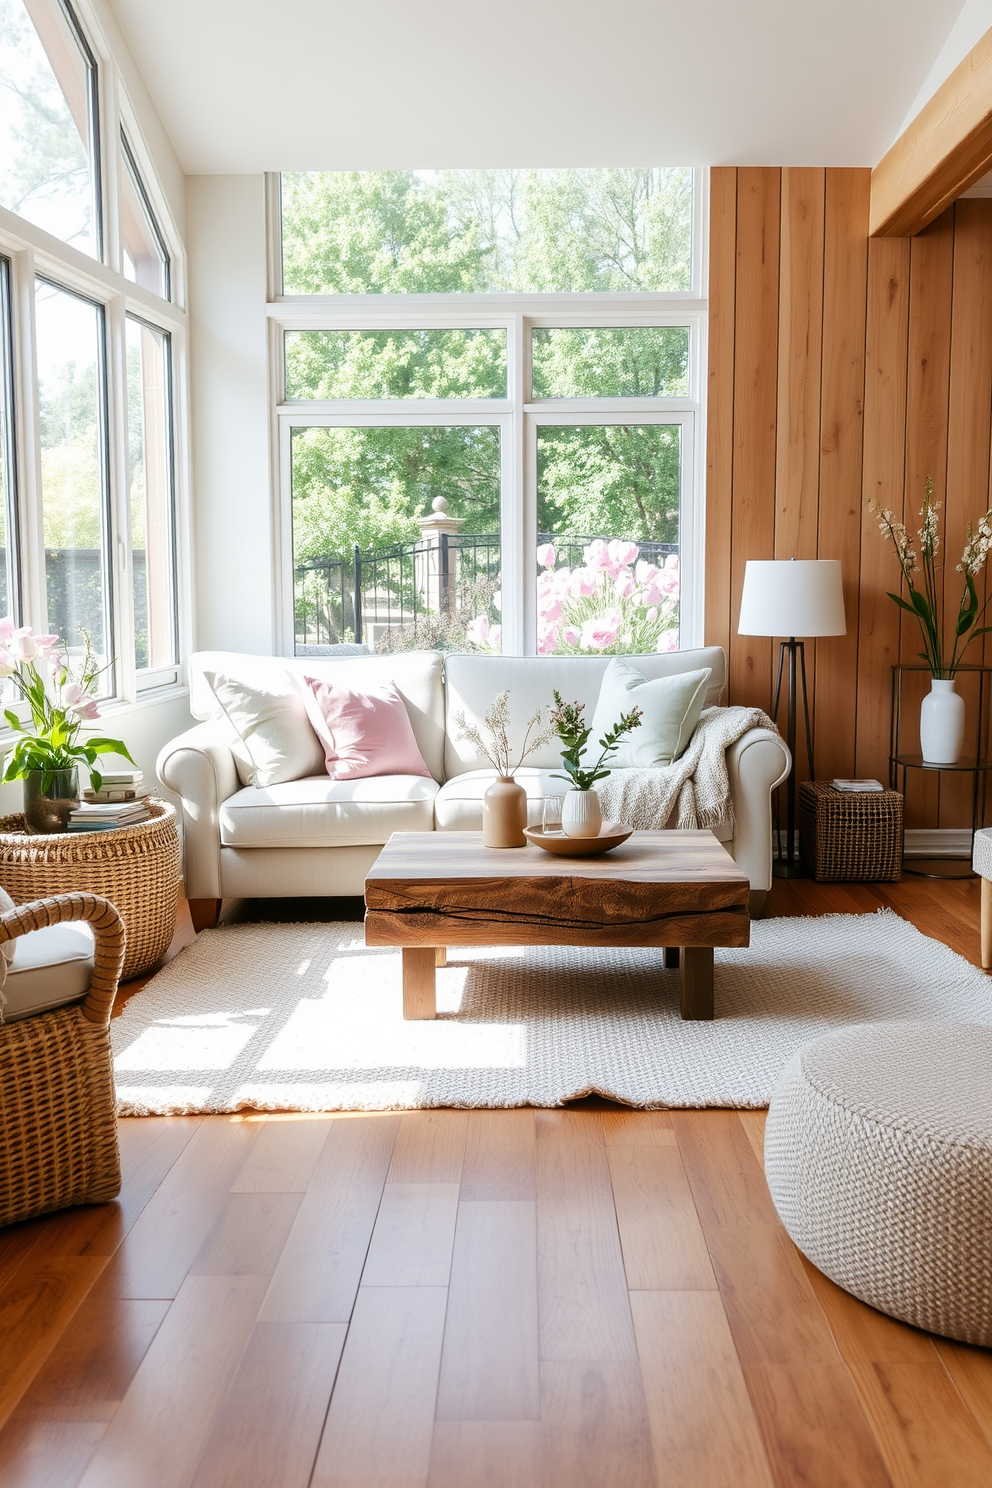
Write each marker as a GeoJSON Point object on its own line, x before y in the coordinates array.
{"type": "Point", "coordinates": [678, 890]}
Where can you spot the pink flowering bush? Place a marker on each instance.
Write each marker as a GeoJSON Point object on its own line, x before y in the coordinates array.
{"type": "Point", "coordinates": [613, 604]}
{"type": "Point", "coordinates": [60, 705]}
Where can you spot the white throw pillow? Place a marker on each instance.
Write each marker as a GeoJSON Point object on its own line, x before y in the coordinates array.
{"type": "Point", "coordinates": [272, 739]}
{"type": "Point", "coordinates": [670, 708]}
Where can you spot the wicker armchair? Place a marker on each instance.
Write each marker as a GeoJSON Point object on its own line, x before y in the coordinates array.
{"type": "Point", "coordinates": [58, 1126]}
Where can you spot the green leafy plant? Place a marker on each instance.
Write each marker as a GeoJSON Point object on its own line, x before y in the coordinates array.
{"type": "Point", "coordinates": [569, 724]}
{"type": "Point", "coordinates": [925, 603]}
{"type": "Point", "coordinates": [60, 706]}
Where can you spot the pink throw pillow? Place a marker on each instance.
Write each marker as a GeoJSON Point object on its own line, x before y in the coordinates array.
{"type": "Point", "coordinates": [364, 731]}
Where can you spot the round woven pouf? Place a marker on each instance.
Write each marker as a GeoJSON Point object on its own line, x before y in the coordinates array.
{"type": "Point", "coordinates": [136, 868]}
{"type": "Point", "coordinates": [878, 1151]}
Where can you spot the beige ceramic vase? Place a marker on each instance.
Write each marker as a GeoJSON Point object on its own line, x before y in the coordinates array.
{"type": "Point", "coordinates": [504, 814]}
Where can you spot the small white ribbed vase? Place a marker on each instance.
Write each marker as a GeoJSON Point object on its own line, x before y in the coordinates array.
{"type": "Point", "coordinates": [580, 814]}
{"type": "Point", "coordinates": [942, 724]}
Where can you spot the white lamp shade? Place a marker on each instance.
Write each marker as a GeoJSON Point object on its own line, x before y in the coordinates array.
{"type": "Point", "coordinates": [792, 597]}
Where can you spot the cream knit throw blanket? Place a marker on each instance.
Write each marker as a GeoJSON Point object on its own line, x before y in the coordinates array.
{"type": "Point", "coordinates": [697, 782]}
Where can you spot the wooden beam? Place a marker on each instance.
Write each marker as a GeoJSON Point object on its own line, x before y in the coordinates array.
{"type": "Point", "coordinates": [946, 149]}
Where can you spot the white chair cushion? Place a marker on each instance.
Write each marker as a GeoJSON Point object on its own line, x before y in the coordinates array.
{"type": "Point", "coordinates": [271, 737]}
{"type": "Point", "coordinates": [472, 683]}
{"type": "Point", "coordinates": [458, 804]}
{"type": "Point", "coordinates": [51, 967]}
{"type": "Point", "coordinates": [670, 709]}
{"type": "Point", "coordinates": [320, 812]}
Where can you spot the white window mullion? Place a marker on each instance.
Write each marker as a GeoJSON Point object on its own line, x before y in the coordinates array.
{"type": "Point", "coordinates": [30, 524]}
{"type": "Point", "coordinates": [119, 560]}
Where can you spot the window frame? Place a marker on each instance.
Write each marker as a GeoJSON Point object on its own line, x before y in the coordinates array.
{"type": "Point", "coordinates": [131, 169]}
{"type": "Point", "coordinates": [34, 254]}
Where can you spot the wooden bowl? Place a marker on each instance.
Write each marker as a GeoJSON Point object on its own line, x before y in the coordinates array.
{"type": "Point", "coordinates": [610, 835]}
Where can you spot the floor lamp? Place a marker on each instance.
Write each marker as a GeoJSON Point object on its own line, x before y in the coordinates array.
{"type": "Point", "coordinates": [792, 597]}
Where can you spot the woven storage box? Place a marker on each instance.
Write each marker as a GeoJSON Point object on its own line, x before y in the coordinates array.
{"type": "Point", "coordinates": [849, 835]}
{"type": "Point", "coordinates": [136, 868]}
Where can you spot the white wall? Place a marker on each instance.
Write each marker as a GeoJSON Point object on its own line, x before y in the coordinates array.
{"type": "Point", "coordinates": [971, 25]}
{"type": "Point", "coordinates": [232, 510]}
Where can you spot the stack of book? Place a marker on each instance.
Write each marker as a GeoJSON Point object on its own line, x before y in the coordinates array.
{"type": "Point", "coordinates": [118, 785]}
{"type": "Point", "coordinates": [120, 802]}
{"type": "Point", "coordinates": [857, 787]}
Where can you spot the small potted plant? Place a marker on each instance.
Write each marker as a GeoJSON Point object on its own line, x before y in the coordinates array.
{"type": "Point", "coordinates": [504, 805]}
{"type": "Point", "coordinates": [49, 749]}
{"type": "Point", "coordinates": [581, 815]}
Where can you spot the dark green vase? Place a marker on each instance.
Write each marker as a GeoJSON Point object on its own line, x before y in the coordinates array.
{"type": "Point", "coordinates": [49, 797]}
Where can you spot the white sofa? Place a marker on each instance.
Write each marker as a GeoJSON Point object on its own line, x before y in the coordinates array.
{"type": "Point", "coordinates": [316, 836]}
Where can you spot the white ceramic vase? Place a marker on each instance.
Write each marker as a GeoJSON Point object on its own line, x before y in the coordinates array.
{"type": "Point", "coordinates": [942, 724]}
{"type": "Point", "coordinates": [580, 814]}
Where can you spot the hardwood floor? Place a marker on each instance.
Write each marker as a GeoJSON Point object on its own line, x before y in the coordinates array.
{"type": "Point", "coordinates": [577, 1298]}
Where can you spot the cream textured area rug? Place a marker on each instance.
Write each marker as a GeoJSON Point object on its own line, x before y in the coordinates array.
{"type": "Point", "coordinates": [305, 1018]}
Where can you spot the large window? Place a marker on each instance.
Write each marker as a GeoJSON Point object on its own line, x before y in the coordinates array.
{"type": "Point", "coordinates": [49, 133]}
{"type": "Point", "coordinates": [90, 355]}
{"type": "Point", "coordinates": [488, 386]}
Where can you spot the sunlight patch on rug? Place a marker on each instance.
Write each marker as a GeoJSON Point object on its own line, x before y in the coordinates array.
{"type": "Point", "coordinates": [306, 1018]}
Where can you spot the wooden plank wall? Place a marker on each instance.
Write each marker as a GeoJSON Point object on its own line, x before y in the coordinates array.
{"type": "Point", "coordinates": [842, 367]}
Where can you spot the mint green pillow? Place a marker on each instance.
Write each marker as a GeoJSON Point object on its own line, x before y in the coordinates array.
{"type": "Point", "coordinates": [670, 708]}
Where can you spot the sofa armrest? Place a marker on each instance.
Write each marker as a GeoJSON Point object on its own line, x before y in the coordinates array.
{"type": "Point", "coordinates": [756, 764]}
{"type": "Point", "coordinates": [199, 766]}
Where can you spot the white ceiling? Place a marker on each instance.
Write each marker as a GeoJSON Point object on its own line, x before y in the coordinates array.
{"type": "Point", "coordinates": [251, 85]}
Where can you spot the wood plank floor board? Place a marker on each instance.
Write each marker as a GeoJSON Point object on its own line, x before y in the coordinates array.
{"type": "Point", "coordinates": [36, 1306]}
{"type": "Point", "coordinates": [160, 1247]}
{"type": "Point", "coordinates": [490, 1362]}
{"type": "Point", "coordinates": [158, 1434]}
{"type": "Point", "coordinates": [971, 1370]}
{"type": "Point", "coordinates": [582, 1286]}
{"type": "Point", "coordinates": [47, 1454]}
{"type": "Point", "coordinates": [924, 1429]}
{"type": "Point", "coordinates": [249, 1235]}
{"type": "Point", "coordinates": [863, 1335]}
{"type": "Point", "coordinates": [430, 1147]}
{"type": "Point", "coordinates": [284, 1156]}
{"type": "Point", "coordinates": [703, 1429]}
{"type": "Point", "coordinates": [500, 1156]}
{"type": "Point", "coordinates": [596, 1429]}
{"type": "Point", "coordinates": [638, 1129]}
{"type": "Point", "coordinates": [317, 1277]}
{"type": "Point", "coordinates": [268, 1428]}
{"type": "Point", "coordinates": [381, 1420]}
{"type": "Point", "coordinates": [813, 1428]}
{"type": "Point", "coordinates": [727, 1183]}
{"type": "Point", "coordinates": [662, 1240]}
{"type": "Point", "coordinates": [487, 1454]}
{"type": "Point", "coordinates": [413, 1235]}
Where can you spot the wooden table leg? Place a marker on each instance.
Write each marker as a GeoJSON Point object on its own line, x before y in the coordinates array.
{"type": "Point", "coordinates": [696, 982]}
{"type": "Point", "coordinates": [986, 923]}
{"type": "Point", "coordinates": [418, 981]}
{"type": "Point", "coordinates": [671, 955]}
{"type": "Point", "coordinates": [441, 955]}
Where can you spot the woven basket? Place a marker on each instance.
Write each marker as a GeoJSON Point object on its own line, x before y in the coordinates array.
{"type": "Point", "coordinates": [58, 1117]}
{"type": "Point", "coordinates": [847, 836]}
{"type": "Point", "coordinates": [136, 868]}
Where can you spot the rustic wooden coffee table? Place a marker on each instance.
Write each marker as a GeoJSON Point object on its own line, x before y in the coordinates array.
{"type": "Point", "coordinates": [678, 890]}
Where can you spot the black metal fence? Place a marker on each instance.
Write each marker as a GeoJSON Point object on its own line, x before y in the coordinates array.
{"type": "Point", "coordinates": [342, 598]}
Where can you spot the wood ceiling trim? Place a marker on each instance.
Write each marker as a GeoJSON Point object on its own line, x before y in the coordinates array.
{"type": "Point", "coordinates": [946, 149]}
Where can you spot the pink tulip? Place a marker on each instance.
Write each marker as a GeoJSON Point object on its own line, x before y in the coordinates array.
{"type": "Point", "coordinates": [496, 638]}
{"type": "Point", "coordinates": [602, 632]}
{"type": "Point", "coordinates": [549, 612]}
{"type": "Point", "coordinates": [622, 553]}
{"type": "Point", "coordinates": [547, 641]}
{"type": "Point", "coordinates": [546, 556]}
{"type": "Point", "coordinates": [46, 642]}
{"type": "Point", "coordinates": [86, 710]}
{"type": "Point", "coordinates": [645, 571]}
{"type": "Point", "coordinates": [22, 644]}
{"type": "Point", "coordinates": [672, 561]}
{"type": "Point", "coordinates": [597, 555]}
{"type": "Point", "coordinates": [6, 629]}
{"type": "Point", "coordinates": [570, 636]}
{"type": "Point", "coordinates": [624, 584]}
{"type": "Point", "coordinates": [652, 615]}
{"type": "Point", "coordinates": [584, 583]}
{"type": "Point", "coordinates": [669, 641]}
{"type": "Point", "coordinates": [477, 631]}
{"type": "Point", "coordinates": [7, 664]}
